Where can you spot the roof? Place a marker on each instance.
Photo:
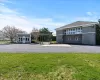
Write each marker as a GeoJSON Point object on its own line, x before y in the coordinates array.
{"type": "Point", "coordinates": [23, 34]}
{"type": "Point", "coordinates": [77, 24]}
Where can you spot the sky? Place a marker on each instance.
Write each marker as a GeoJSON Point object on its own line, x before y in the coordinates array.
{"type": "Point", "coordinates": [29, 14]}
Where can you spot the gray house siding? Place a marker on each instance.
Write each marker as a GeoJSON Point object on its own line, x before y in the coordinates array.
{"type": "Point", "coordinates": [73, 39]}
{"type": "Point", "coordinates": [59, 37]}
{"type": "Point", "coordinates": [88, 35]}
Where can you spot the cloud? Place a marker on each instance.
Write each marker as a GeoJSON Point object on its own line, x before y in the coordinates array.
{"type": "Point", "coordinates": [89, 13]}
{"type": "Point", "coordinates": [5, 10]}
{"type": "Point", "coordinates": [2, 1]}
{"type": "Point", "coordinates": [6, 1]}
{"type": "Point", "coordinates": [88, 18]}
{"type": "Point", "coordinates": [91, 16]}
{"type": "Point", "coordinates": [14, 18]}
{"type": "Point", "coordinates": [1, 4]}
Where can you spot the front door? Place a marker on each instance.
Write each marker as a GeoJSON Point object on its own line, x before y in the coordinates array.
{"type": "Point", "coordinates": [24, 40]}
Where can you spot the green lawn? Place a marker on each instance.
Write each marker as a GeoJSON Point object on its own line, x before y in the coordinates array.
{"type": "Point", "coordinates": [49, 66]}
{"type": "Point", "coordinates": [53, 42]}
{"type": "Point", "coordinates": [4, 42]}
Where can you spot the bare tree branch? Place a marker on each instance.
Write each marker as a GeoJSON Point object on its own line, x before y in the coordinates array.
{"type": "Point", "coordinates": [11, 32]}
{"type": "Point", "coordinates": [35, 33]}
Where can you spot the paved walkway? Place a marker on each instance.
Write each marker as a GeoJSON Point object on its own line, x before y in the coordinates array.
{"type": "Point", "coordinates": [41, 49]}
{"type": "Point", "coordinates": [57, 45]}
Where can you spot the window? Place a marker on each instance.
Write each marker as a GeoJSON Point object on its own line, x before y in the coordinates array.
{"type": "Point", "coordinates": [19, 39]}
{"type": "Point", "coordinates": [68, 38]}
{"type": "Point", "coordinates": [26, 39]}
{"type": "Point", "coordinates": [73, 32]}
{"type": "Point", "coordinates": [76, 38]}
{"type": "Point", "coordinates": [78, 28]}
{"type": "Point", "coordinates": [64, 32]}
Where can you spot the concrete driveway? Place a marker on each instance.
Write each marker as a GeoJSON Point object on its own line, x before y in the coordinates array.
{"type": "Point", "coordinates": [41, 49]}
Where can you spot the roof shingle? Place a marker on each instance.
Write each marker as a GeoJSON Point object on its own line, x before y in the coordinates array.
{"type": "Point", "coordinates": [76, 24]}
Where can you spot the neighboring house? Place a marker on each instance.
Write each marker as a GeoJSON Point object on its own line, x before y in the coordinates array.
{"type": "Point", "coordinates": [80, 32]}
{"type": "Point", "coordinates": [23, 38]}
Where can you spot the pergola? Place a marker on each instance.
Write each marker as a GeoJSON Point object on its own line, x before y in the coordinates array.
{"type": "Point", "coordinates": [45, 37]}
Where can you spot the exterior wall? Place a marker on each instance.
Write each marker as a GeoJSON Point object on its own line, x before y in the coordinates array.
{"type": "Point", "coordinates": [88, 35]}
{"type": "Point", "coordinates": [59, 36]}
{"type": "Point", "coordinates": [75, 39]}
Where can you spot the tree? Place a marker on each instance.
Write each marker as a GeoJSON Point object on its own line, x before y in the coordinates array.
{"type": "Point", "coordinates": [45, 34]}
{"type": "Point", "coordinates": [11, 32]}
{"type": "Point", "coordinates": [35, 34]}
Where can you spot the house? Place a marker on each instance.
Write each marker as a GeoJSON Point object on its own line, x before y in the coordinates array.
{"type": "Point", "coordinates": [23, 38]}
{"type": "Point", "coordinates": [79, 32]}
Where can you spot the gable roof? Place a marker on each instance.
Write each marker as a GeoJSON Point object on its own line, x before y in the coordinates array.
{"type": "Point", "coordinates": [77, 24]}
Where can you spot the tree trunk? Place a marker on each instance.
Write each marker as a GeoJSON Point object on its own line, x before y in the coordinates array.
{"type": "Point", "coordinates": [11, 40]}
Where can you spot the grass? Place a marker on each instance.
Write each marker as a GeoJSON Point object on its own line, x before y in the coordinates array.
{"type": "Point", "coordinates": [53, 42]}
{"type": "Point", "coordinates": [4, 42]}
{"type": "Point", "coordinates": [73, 66]}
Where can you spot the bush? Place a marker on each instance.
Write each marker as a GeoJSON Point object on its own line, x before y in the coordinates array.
{"type": "Point", "coordinates": [33, 41]}
{"type": "Point", "coordinates": [53, 38]}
